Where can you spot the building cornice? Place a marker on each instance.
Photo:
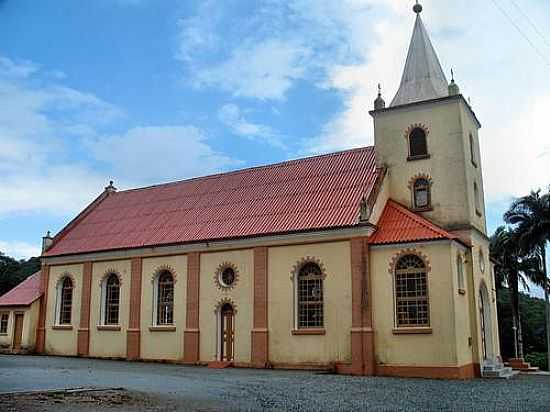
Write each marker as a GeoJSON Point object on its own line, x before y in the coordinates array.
{"type": "Point", "coordinates": [318, 236]}
{"type": "Point", "coordinates": [458, 98]}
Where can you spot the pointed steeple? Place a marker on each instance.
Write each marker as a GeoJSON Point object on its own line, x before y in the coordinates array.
{"type": "Point", "coordinates": [423, 77]}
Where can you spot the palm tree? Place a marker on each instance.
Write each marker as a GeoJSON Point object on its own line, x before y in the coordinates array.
{"type": "Point", "coordinates": [530, 216]}
{"type": "Point", "coordinates": [512, 268]}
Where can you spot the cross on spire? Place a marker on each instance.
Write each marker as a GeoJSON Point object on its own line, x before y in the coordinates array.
{"type": "Point", "coordinates": [417, 7]}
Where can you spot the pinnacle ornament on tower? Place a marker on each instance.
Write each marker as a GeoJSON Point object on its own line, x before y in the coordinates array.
{"type": "Point", "coordinates": [379, 103]}
{"type": "Point", "coordinates": [454, 90]}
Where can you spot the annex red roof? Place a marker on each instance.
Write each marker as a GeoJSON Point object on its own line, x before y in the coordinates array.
{"type": "Point", "coordinates": [318, 192]}
{"type": "Point", "coordinates": [398, 225]}
{"type": "Point", "coordinates": [23, 294]}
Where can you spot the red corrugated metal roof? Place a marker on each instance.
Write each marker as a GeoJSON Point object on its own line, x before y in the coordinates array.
{"type": "Point", "coordinates": [23, 294]}
{"type": "Point", "coordinates": [398, 225]}
{"type": "Point", "coordinates": [318, 192]}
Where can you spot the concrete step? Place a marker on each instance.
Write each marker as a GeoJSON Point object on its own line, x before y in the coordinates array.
{"type": "Point", "coordinates": [501, 373]}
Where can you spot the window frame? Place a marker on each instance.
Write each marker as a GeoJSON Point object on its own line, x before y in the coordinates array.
{"type": "Point", "coordinates": [61, 303]}
{"type": "Point", "coordinates": [105, 304]}
{"type": "Point", "coordinates": [4, 323]}
{"type": "Point", "coordinates": [156, 325]}
{"type": "Point", "coordinates": [168, 304]}
{"type": "Point", "coordinates": [428, 187]}
{"type": "Point", "coordinates": [421, 156]}
{"type": "Point", "coordinates": [319, 278]}
{"type": "Point", "coordinates": [411, 327]}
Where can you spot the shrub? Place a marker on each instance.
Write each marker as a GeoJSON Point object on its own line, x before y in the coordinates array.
{"type": "Point", "coordinates": [538, 359]}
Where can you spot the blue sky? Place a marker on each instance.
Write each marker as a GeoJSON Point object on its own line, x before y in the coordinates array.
{"type": "Point", "coordinates": [145, 91]}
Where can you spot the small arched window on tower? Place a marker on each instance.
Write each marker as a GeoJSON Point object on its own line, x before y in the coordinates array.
{"type": "Point", "coordinates": [473, 150]}
{"type": "Point", "coordinates": [111, 300]}
{"type": "Point", "coordinates": [460, 274]}
{"type": "Point", "coordinates": [310, 297]}
{"type": "Point", "coordinates": [477, 200]}
{"type": "Point", "coordinates": [418, 145]}
{"type": "Point", "coordinates": [421, 194]}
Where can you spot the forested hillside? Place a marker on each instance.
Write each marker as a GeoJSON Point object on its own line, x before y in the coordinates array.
{"type": "Point", "coordinates": [13, 272]}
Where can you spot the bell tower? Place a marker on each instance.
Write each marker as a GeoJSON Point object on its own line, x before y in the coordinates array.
{"type": "Point", "coordinates": [427, 139]}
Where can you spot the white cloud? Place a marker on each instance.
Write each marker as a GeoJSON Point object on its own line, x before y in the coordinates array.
{"type": "Point", "coordinates": [153, 154]}
{"type": "Point", "coordinates": [52, 138]}
{"type": "Point", "coordinates": [20, 250]}
{"type": "Point", "coordinates": [264, 70]}
{"type": "Point", "coordinates": [231, 116]}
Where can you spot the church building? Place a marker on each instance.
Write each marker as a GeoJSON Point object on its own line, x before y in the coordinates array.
{"type": "Point", "coordinates": [370, 261]}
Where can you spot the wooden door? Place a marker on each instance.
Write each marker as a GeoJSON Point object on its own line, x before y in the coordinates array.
{"type": "Point", "coordinates": [18, 331]}
{"type": "Point", "coordinates": [227, 332]}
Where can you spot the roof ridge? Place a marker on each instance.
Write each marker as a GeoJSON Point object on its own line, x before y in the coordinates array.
{"type": "Point", "coordinates": [249, 169]}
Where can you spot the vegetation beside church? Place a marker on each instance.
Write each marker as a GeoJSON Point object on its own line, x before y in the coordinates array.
{"type": "Point", "coordinates": [519, 254]}
{"type": "Point", "coordinates": [13, 272]}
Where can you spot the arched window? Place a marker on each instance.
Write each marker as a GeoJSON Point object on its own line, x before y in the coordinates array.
{"type": "Point", "coordinates": [310, 297]}
{"type": "Point", "coordinates": [418, 146]}
{"type": "Point", "coordinates": [411, 293]}
{"type": "Point", "coordinates": [165, 299]}
{"type": "Point", "coordinates": [472, 150]}
{"type": "Point", "coordinates": [477, 200]}
{"type": "Point", "coordinates": [111, 303]}
{"type": "Point", "coordinates": [421, 194]}
{"type": "Point", "coordinates": [460, 274]}
{"type": "Point", "coordinates": [65, 299]}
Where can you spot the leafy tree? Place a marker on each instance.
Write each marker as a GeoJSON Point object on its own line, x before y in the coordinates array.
{"type": "Point", "coordinates": [530, 216]}
{"type": "Point", "coordinates": [13, 272]}
{"type": "Point", "coordinates": [512, 268]}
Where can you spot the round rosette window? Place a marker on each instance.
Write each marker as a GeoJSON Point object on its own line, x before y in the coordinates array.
{"type": "Point", "coordinates": [226, 276]}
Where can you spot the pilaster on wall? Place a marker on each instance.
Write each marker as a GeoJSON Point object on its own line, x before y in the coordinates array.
{"type": "Point", "coordinates": [83, 341]}
{"type": "Point", "coordinates": [41, 328]}
{"type": "Point", "coordinates": [191, 334]}
{"type": "Point", "coordinates": [260, 334]}
{"type": "Point", "coordinates": [362, 334]}
{"type": "Point", "coordinates": [133, 335]}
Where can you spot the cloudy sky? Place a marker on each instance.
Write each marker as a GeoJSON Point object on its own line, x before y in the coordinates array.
{"type": "Point", "coordinates": [148, 91]}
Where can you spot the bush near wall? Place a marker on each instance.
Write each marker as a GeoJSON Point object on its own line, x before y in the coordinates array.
{"type": "Point", "coordinates": [538, 359]}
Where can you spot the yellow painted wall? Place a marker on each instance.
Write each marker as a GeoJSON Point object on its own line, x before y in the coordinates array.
{"type": "Point", "coordinates": [335, 346]}
{"type": "Point", "coordinates": [480, 243]}
{"type": "Point", "coordinates": [449, 164]}
{"type": "Point", "coordinates": [30, 320]}
{"type": "Point", "coordinates": [463, 332]}
{"type": "Point", "coordinates": [105, 343]}
{"type": "Point", "coordinates": [436, 349]}
{"type": "Point", "coordinates": [63, 342]}
{"type": "Point", "coordinates": [165, 344]}
{"type": "Point", "coordinates": [241, 294]}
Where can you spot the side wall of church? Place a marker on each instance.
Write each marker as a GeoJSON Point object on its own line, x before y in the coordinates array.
{"type": "Point", "coordinates": [105, 342]}
{"type": "Point", "coordinates": [167, 343]}
{"type": "Point", "coordinates": [437, 346]}
{"type": "Point", "coordinates": [61, 340]}
{"type": "Point", "coordinates": [213, 296]}
{"type": "Point", "coordinates": [334, 346]}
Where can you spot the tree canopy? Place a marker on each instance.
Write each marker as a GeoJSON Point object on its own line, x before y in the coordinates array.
{"type": "Point", "coordinates": [13, 271]}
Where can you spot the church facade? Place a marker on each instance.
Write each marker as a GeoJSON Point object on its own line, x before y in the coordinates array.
{"type": "Point", "coordinates": [371, 261]}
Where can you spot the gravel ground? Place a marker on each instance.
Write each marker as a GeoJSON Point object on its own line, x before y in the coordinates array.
{"type": "Point", "coordinates": [183, 388]}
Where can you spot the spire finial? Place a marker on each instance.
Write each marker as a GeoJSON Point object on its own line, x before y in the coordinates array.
{"type": "Point", "coordinates": [452, 76]}
{"type": "Point", "coordinates": [379, 90]}
{"type": "Point", "coordinates": [417, 7]}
